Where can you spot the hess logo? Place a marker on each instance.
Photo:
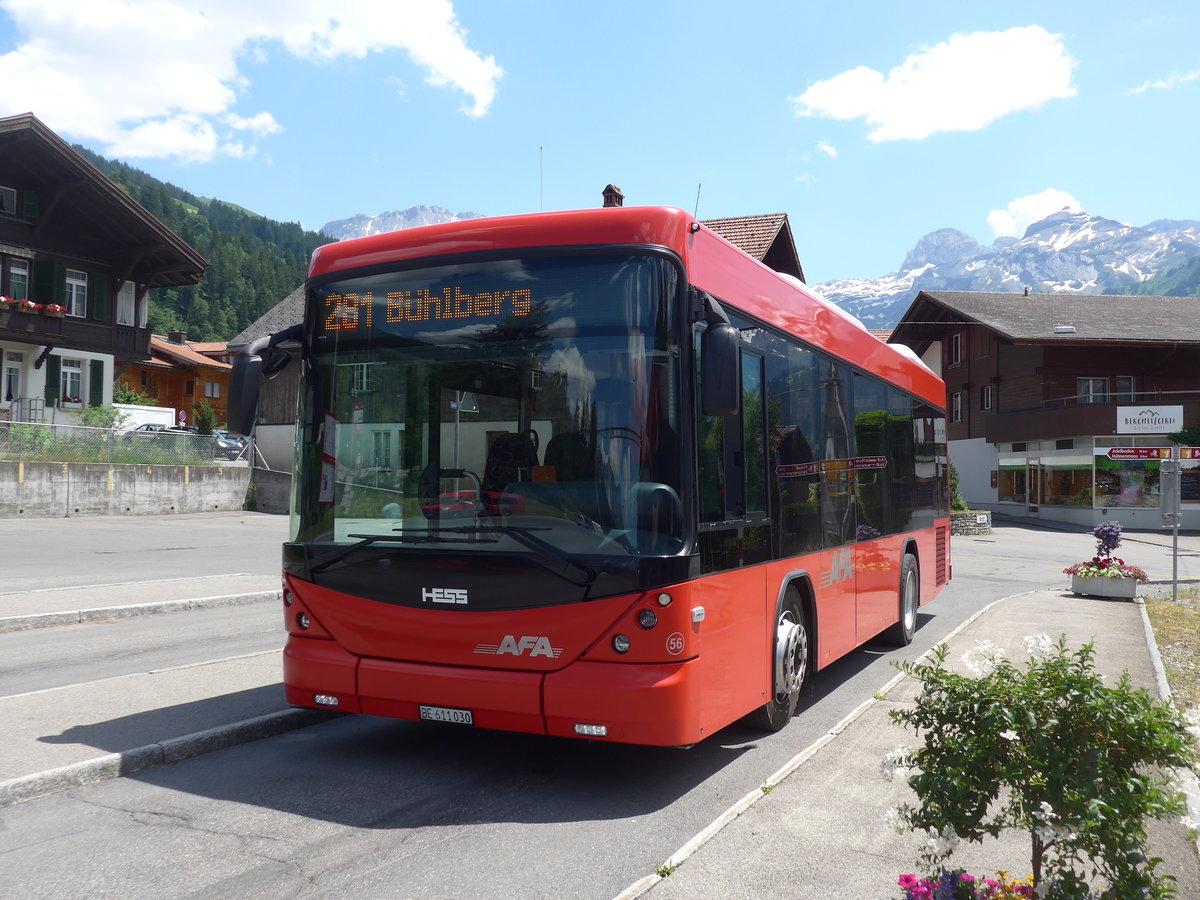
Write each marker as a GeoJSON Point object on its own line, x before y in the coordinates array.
{"type": "Point", "coordinates": [514, 646]}
{"type": "Point", "coordinates": [444, 595]}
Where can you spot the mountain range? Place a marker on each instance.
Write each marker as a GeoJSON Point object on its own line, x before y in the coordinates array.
{"type": "Point", "coordinates": [363, 225]}
{"type": "Point", "coordinates": [1068, 251]}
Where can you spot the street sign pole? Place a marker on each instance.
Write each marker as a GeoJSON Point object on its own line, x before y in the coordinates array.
{"type": "Point", "coordinates": [1169, 495]}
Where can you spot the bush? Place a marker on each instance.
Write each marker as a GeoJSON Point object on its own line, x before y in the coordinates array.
{"type": "Point", "coordinates": [1048, 749]}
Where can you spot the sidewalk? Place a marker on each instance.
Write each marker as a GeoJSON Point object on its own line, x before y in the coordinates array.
{"type": "Point", "coordinates": [78, 734]}
{"type": "Point", "coordinates": [820, 830]}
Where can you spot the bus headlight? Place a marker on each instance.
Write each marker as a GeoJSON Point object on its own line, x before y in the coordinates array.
{"type": "Point", "coordinates": [647, 618]}
{"type": "Point", "coordinates": [621, 643]}
{"type": "Point", "coordinates": [303, 621]}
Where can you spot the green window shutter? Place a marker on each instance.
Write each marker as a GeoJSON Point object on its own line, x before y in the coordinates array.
{"type": "Point", "coordinates": [29, 204]}
{"type": "Point", "coordinates": [96, 383]}
{"type": "Point", "coordinates": [49, 282]}
{"type": "Point", "coordinates": [99, 298]}
{"type": "Point", "coordinates": [53, 379]}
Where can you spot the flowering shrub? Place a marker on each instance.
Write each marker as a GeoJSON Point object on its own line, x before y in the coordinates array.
{"type": "Point", "coordinates": [1106, 567]}
{"type": "Point", "coordinates": [1050, 750]}
{"type": "Point", "coordinates": [55, 308]}
{"type": "Point", "coordinates": [959, 885]}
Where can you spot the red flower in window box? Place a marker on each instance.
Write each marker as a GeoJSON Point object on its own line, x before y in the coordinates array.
{"type": "Point", "coordinates": [54, 311]}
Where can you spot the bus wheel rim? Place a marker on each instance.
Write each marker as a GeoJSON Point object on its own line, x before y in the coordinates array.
{"type": "Point", "coordinates": [791, 656]}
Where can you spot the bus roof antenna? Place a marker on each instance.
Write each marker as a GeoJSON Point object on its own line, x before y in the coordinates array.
{"type": "Point", "coordinates": [696, 214]}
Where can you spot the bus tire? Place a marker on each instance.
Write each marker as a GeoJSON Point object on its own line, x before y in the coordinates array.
{"type": "Point", "coordinates": [789, 665]}
{"type": "Point", "coordinates": [901, 634]}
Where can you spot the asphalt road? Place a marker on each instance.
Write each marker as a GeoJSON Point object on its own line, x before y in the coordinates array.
{"type": "Point", "coordinates": [82, 550]}
{"type": "Point", "coordinates": [369, 807]}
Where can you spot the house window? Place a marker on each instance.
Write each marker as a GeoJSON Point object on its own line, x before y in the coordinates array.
{"type": "Point", "coordinates": [12, 375]}
{"type": "Point", "coordinates": [956, 406]}
{"type": "Point", "coordinates": [955, 349]}
{"type": "Point", "coordinates": [212, 389]}
{"type": "Point", "coordinates": [189, 387]}
{"type": "Point", "coordinates": [125, 304]}
{"type": "Point", "coordinates": [383, 449]}
{"type": "Point", "coordinates": [18, 279]}
{"type": "Point", "coordinates": [76, 295]}
{"type": "Point", "coordinates": [72, 380]}
{"type": "Point", "coordinates": [985, 397]}
{"type": "Point", "coordinates": [360, 377]}
{"type": "Point", "coordinates": [1091, 390]}
{"type": "Point", "coordinates": [1124, 389]}
{"type": "Point", "coordinates": [8, 201]}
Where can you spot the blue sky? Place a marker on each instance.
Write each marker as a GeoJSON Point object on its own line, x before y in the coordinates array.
{"type": "Point", "coordinates": [869, 123]}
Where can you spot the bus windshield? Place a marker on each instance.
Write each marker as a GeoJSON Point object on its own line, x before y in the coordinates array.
{"type": "Point", "coordinates": [526, 405]}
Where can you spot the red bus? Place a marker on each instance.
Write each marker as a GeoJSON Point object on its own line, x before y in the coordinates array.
{"type": "Point", "coordinates": [593, 474]}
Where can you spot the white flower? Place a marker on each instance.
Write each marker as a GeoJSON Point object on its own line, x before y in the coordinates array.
{"type": "Point", "coordinates": [895, 762]}
{"type": "Point", "coordinates": [983, 658]}
{"type": "Point", "coordinates": [943, 843]}
{"type": "Point", "coordinates": [898, 817]}
{"type": "Point", "coordinates": [1010, 735]}
{"type": "Point", "coordinates": [1039, 646]}
{"type": "Point", "coordinates": [1049, 828]}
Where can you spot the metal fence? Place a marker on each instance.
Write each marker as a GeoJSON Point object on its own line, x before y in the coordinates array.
{"type": "Point", "coordinates": [73, 443]}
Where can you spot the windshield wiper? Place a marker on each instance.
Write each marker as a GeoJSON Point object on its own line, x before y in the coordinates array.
{"type": "Point", "coordinates": [328, 559]}
{"type": "Point", "coordinates": [551, 558]}
{"type": "Point", "coordinates": [548, 556]}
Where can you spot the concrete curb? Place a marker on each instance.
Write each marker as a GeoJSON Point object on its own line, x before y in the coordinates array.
{"type": "Point", "coordinates": [109, 613]}
{"type": "Point", "coordinates": [647, 883]}
{"type": "Point", "coordinates": [172, 750]}
{"type": "Point", "coordinates": [1190, 783]}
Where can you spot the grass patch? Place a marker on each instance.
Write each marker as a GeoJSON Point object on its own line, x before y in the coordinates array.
{"type": "Point", "coordinates": [1177, 633]}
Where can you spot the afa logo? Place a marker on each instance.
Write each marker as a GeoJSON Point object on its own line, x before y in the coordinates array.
{"type": "Point", "coordinates": [514, 646]}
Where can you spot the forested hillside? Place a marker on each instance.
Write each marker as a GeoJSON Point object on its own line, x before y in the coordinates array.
{"type": "Point", "coordinates": [254, 262]}
{"type": "Point", "coordinates": [1183, 281]}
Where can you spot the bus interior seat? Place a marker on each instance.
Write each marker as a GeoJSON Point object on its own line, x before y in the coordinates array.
{"type": "Point", "coordinates": [509, 454]}
{"type": "Point", "coordinates": [572, 458]}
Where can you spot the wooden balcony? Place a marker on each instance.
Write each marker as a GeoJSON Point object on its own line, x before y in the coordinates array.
{"type": "Point", "coordinates": [125, 342]}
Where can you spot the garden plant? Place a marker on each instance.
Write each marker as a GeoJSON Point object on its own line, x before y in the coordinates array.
{"type": "Point", "coordinates": [1047, 749]}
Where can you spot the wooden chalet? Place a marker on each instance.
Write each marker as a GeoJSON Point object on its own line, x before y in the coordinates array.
{"type": "Point", "coordinates": [77, 257]}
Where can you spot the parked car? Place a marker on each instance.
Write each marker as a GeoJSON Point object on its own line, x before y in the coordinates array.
{"type": "Point", "coordinates": [228, 446]}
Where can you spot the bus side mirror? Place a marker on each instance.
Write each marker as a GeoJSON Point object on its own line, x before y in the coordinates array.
{"type": "Point", "coordinates": [244, 383]}
{"type": "Point", "coordinates": [720, 370]}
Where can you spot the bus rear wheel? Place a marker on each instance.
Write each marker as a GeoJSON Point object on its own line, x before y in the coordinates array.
{"type": "Point", "coordinates": [901, 634]}
{"type": "Point", "coordinates": [790, 666]}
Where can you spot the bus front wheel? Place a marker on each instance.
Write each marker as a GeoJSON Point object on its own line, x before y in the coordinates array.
{"type": "Point", "coordinates": [901, 634]}
{"type": "Point", "coordinates": [789, 666]}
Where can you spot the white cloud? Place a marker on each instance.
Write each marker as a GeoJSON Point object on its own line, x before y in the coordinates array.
{"type": "Point", "coordinates": [828, 149]}
{"type": "Point", "coordinates": [1169, 83]}
{"type": "Point", "coordinates": [962, 84]}
{"type": "Point", "coordinates": [162, 78]}
{"type": "Point", "coordinates": [1024, 211]}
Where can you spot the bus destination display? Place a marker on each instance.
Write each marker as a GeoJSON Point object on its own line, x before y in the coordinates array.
{"type": "Point", "coordinates": [359, 312]}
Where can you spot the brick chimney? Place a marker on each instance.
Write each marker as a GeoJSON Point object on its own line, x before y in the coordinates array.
{"type": "Point", "coordinates": [613, 196]}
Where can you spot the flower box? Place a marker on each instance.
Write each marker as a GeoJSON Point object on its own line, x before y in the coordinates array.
{"type": "Point", "coordinates": [1123, 588]}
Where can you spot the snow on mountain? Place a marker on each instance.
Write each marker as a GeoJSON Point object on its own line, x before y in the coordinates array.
{"type": "Point", "coordinates": [1066, 251]}
{"type": "Point", "coordinates": [363, 225]}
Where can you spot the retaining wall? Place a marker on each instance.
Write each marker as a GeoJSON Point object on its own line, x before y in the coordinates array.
{"type": "Point", "coordinates": [46, 489]}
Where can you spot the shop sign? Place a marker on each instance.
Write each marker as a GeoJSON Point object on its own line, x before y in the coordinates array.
{"type": "Point", "coordinates": [1149, 419]}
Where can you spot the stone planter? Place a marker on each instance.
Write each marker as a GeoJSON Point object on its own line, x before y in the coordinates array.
{"type": "Point", "coordinates": [1121, 588]}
